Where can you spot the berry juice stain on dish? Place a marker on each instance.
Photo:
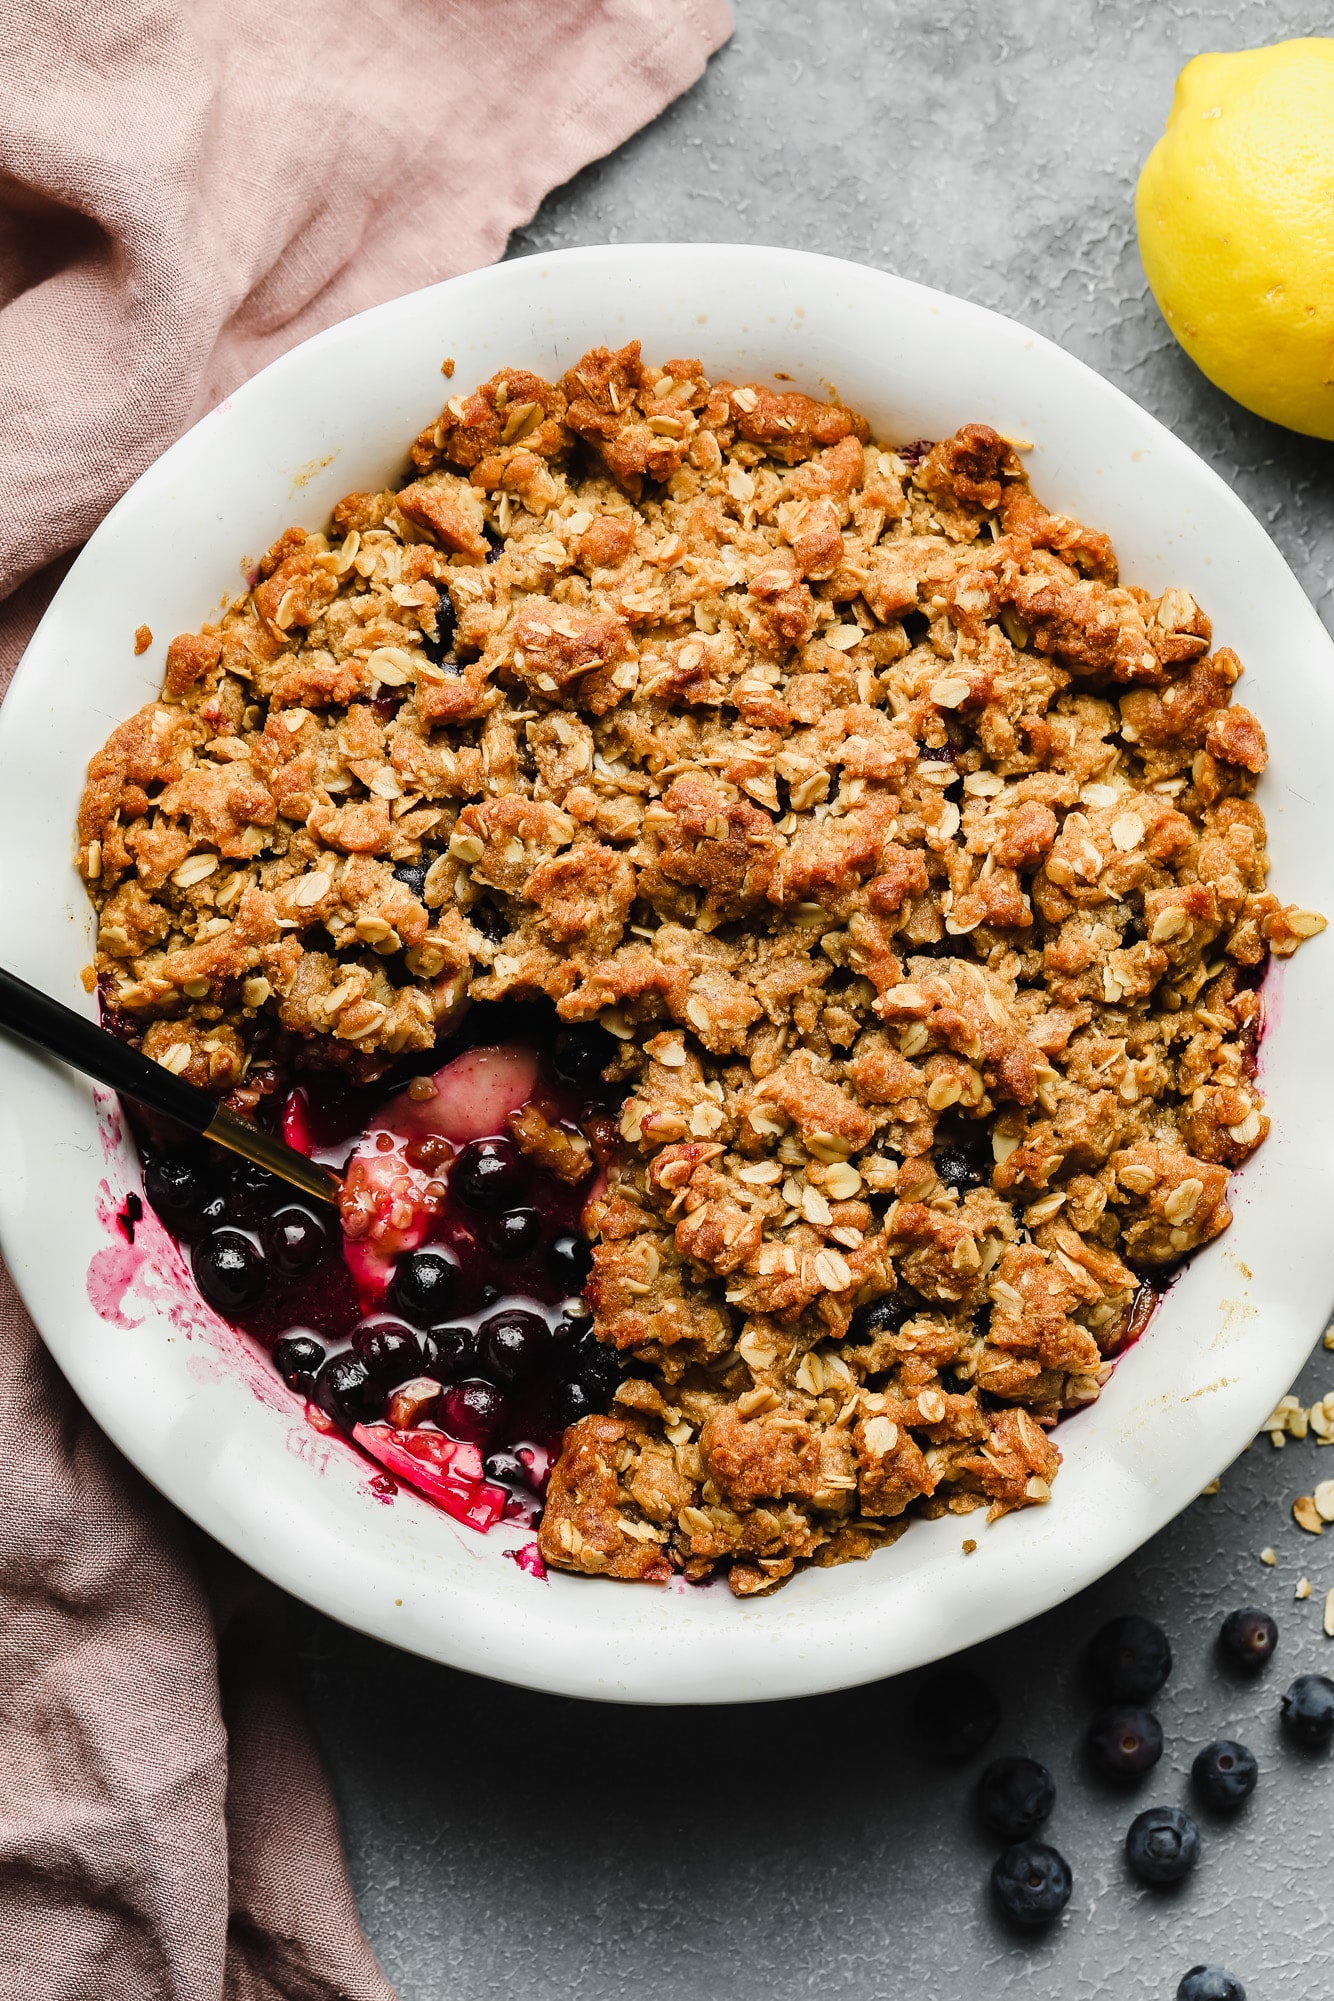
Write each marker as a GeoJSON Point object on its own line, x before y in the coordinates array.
{"type": "Point", "coordinates": [440, 1327]}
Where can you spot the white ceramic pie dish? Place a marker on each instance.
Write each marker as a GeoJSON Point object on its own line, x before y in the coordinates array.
{"type": "Point", "coordinates": [205, 1419]}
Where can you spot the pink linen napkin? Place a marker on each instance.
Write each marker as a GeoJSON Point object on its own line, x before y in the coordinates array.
{"type": "Point", "coordinates": [185, 192]}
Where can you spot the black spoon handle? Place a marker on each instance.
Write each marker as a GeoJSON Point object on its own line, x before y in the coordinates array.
{"type": "Point", "coordinates": [64, 1034]}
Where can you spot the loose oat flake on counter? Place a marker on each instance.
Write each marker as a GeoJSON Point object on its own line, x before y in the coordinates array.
{"type": "Point", "coordinates": [908, 857]}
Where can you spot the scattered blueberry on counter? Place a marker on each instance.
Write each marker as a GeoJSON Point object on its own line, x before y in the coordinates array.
{"type": "Point", "coordinates": [1015, 1796]}
{"type": "Point", "coordinates": [956, 1713]}
{"type": "Point", "coordinates": [1225, 1774]}
{"type": "Point", "coordinates": [1162, 1845]}
{"type": "Point", "coordinates": [1210, 1983]}
{"type": "Point", "coordinates": [1308, 1710]}
{"type": "Point", "coordinates": [1129, 1659]}
{"type": "Point", "coordinates": [1247, 1639]}
{"type": "Point", "coordinates": [1031, 1882]}
{"type": "Point", "coordinates": [1124, 1742]}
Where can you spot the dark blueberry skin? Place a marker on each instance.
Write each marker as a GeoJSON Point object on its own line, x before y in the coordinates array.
{"type": "Point", "coordinates": [449, 1353]}
{"type": "Point", "coordinates": [175, 1183]}
{"type": "Point", "coordinates": [293, 1240]}
{"type": "Point", "coordinates": [1247, 1639]}
{"type": "Point", "coordinates": [1031, 1882]}
{"type": "Point", "coordinates": [594, 1364]}
{"type": "Point", "coordinates": [1129, 1659]}
{"type": "Point", "coordinates": [1225, 1774]}
{"type": "Point", "coordinates": [252, 1192]}
{"type": "Point", "coordinates": [298, 1359]}
{"type": "Point", "coordinates": [474, 1411]}
{"type": "Point", "coordinates": [1015, 1796]}
{"type": "Point", "coordinates": [228, 1270]}
{"type": "Point", "coordinates": [344, 1391]}
{"type": "Point", "coordinates": [489, 1174]}
{"type": "Point", "coordinates": [514, 1234]}
{"type": "Point", "coordinates": [513, 1344]}
{"type": "Point", "coordinates": [1209, 1983]}
{"type": "Point", "coordinates": [962, 1159]}
{"type": "Point", "coordinates": [391, 1353]}
{"type": "Point", "coordinates": [1124, 1742]}
{"type": "Point", "coordinates": [955, 1713]}
{"type": "Point", "coordinates": [440, 643]}
{"type": "Point", "coordinates": [413, 876]}
{"type": "Point", "coordinates": [569, 1260]}
{"type": "Point", "coordinates": [1308, 1710]}
{"type": "Point", "coordinates": [570, 1401]}
{"type": "Point", "coordinates": [1162, 1845]}
{"type": "Point", "coordinates": [580, 1055]}
{"type": "Point", "coordinates": [423, 1287]}
{"type": "Point", "coordinates": [505, 1466]}
{"type": "Point", "coordinates": [885, 1316]}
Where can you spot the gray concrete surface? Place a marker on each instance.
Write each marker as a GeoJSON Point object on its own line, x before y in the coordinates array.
{"type": "Point", "coordinates": [511, 1847]}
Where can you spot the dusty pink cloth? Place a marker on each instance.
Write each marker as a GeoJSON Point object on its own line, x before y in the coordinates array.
{"type": "Point", "coordinates": [185, 190]}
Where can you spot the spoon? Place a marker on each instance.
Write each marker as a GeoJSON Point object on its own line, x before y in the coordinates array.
{"type": "Point", "coordinates": [86, 1047]}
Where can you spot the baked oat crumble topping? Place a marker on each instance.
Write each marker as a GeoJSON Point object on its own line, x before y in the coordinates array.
{"type": "Point", "coordinates": [910, 857]}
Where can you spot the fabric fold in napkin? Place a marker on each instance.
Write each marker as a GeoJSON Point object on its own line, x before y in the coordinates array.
{"type": "Point", "coordinates": [184, 193]}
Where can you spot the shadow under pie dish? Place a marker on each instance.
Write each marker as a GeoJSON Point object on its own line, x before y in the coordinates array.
{"type": "Point", "coordinates": [849, 902]}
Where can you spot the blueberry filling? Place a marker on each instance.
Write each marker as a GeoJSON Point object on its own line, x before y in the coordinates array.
{"type": "Point", "coordinates": [475, 1335]}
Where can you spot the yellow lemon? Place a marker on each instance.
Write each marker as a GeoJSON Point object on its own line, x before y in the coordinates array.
{"type": "Point", "coordinates": [1235, 211]}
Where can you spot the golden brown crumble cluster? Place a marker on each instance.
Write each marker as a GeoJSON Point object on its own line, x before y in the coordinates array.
{"type": "Point", "coordinates": [909, 855]}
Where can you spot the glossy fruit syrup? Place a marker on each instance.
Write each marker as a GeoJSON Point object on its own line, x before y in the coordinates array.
{"type": "Point", "coordinates": [437, 1321]}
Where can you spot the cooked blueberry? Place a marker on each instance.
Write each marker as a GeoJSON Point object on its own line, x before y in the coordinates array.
{"type": "Point", "coordinates": [298, 1359]}
{"type": "Point", "coordinates": [958, 1169]}
{"type": "Point", "coordinates": [474, 1411]}
{"type": "Point", "coordinates": [1014, 1797]}
{"type": "Point", "coordinates": [489, 1174]}
{"type": "Point", "coordinates": [885, 1316]}
{"type": "Point", "coordinates": [228, 1270]}
{"type": "Point", "coordinates": [513, 1234]}
{"type": "Point", "coordinates": [580, 1055]}
{"type": "Point", "coordinates": [174, 1184]}
{"type": "Point", "coordinates": [440, 642]}
{"type": "Point", "coordinates": [1162, 1844]}
{"type": "Point", "coordinates": [1209, 1983]}
{"type": "Point", "coordinates": [214, 1211]}
{"type": "Point", "coordinates": [956, 1713]}
{"type": "Point", "coordinates": [1031, 1882]}
{"type": "Point", "coordinates": [512, 1343]}
{"type": "Point", "coordinates": [448, 1353]}
{"type": "Point", "coordinates": [492, 923]}
{"type": "Point", "coordinates": [343, 1389]}
{"type": "Point", "coordinates": [293, 1240]}
{"type": "Point", "coordinates": [1308, 1710]}
{"type": "Point", "coordinates": [495, 541]}
{"type": "Point", "coordinates": [1247, 1639]}
{"type": "Point", "coordinates": [251, 1191]}
{"type": "Point", "coordinates": [413, 876]}
{"type": "Point", "coordinates": [594, 1364]}
{"type": "Point", "coordinates": [507, 1467]}
{"type": "Point", "coordinates": [1224, 1774]}
{"type": "Point", "coordinates": [423, 1287]}
{"type": "Point", "coordinates": [570, 1401]}
{"type": "Point", "coordinates": [1129, 1659]}
{"type": "Point", "coordinates": [391, 1353]}
{"type": "Point", "coordinates": [569, 1260]}
{"type": "Point", "coordinates": [1124, 1742]}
